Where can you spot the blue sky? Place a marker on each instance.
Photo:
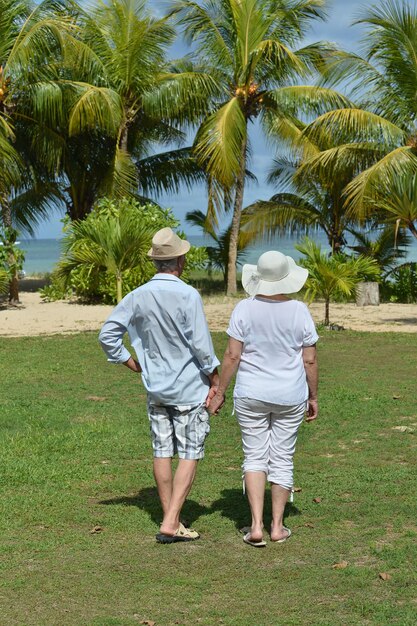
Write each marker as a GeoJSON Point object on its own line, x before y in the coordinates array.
{"type": "Point", "coordinates": [337, 29]}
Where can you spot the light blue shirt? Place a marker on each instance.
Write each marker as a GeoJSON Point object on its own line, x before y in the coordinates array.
{"type": "Point", "coordinates": [168, 330]}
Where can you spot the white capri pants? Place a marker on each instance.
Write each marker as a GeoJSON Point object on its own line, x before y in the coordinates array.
{"type": "Point", "coordinates": [269, 434]}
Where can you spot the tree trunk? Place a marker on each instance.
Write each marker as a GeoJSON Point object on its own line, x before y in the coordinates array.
{"type": "Point", "coordinates": [119, 292]}
{"type": "Point", "coordinates": [123, 142]}
{"type": "Point", "coordinates": [367, 294]}
{"type": "Point", "coordinates": [327, 312]}
{"type": "Point", "coordinates": [234, 233]}
{"type": "Point", "coordinates": [14, 282]}
{"type": "Point", "coordinates": [412, 229]}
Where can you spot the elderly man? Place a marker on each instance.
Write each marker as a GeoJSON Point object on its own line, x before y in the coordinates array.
{"type": "Point", "coordinates": [168, 330]}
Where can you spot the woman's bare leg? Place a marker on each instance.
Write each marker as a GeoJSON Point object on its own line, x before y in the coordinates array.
{"type": "Point", "coordinates": [255, 489]}
{"type": "Point", "coordinates": [279, 500]}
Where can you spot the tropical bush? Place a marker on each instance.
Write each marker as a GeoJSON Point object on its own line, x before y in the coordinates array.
{"type": "Point", "coordinates": [335, 276]}
{"type": "Point", "coordinates": [401, 285]}
{"type": "Point", "coordinates": [11, 258]}
{"type": "Point", "coordinates": [105, 255]}
{"type": "Point", "coordinates": [4, 280]}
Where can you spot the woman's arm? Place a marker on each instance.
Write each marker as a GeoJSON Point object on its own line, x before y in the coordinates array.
{"type": "Point", "coordinates": [312, 374]}
{"type": "Point", "coordinates": [230, 364]}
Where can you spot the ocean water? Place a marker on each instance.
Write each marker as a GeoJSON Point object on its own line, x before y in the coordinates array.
{"type": "Point", "coordinates": [42, 254]}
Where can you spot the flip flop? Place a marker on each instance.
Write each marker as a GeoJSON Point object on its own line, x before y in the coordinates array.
{"type": "Point", "coordinates": [256, 544]}
{"type": "Point", "coordinates": [182, 534]}
{"type": "Point", "coordinates": [285, 538]}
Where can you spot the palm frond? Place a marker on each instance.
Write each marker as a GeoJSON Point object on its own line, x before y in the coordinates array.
{"type": "Point", "coordinates": [95, 107]}
{"type": "Point", "coordinates": [350, 125]}
{"type": "Point", "coordinates": [4, 281]}
{"type": "Point", "coordinates": [340, 163]}
{"type": "Point", "coordinates": [169, 171]}
{"type": "Point", "coordinates": [284, 213]}
{"type": "Point", "coordinates": [219, 142]}
{"type": "Point", "coordinates": [366, 187]}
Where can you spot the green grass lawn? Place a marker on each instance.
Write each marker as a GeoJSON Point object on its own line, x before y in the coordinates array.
{"type": "Point", "coordinates": [75, 454]}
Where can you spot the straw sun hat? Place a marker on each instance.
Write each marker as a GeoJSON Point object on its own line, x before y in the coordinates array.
{"type": "Point", "coordinates": [274, 274]}
{"type": "Point", "coordinates": [167, 245]}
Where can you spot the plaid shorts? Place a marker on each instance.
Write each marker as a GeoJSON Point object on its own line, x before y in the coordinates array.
{"type": "Point", "coordinates": [178, 429]}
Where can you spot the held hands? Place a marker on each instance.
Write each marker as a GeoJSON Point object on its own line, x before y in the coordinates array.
{"type": "Point", "coordinates": [215, 401]}
{"type": "Point", "coordinates": [312, 410]}
{"type": "Point", "coordinates": [212, 392]}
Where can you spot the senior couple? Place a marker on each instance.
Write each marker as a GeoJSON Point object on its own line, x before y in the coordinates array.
{"type": "Point", "coordinates": [271, 347]}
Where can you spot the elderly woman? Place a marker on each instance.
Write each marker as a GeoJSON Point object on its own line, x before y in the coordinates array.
{"type": "Point", "coordinates": [272, 345]}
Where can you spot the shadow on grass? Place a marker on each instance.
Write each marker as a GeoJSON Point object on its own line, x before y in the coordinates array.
{"type": "Point", "coordinates": [147, 499]}
{"type": "Point", "coordinates": [232, 505]}
{"type": "Point", "coordinates": [235, 506]}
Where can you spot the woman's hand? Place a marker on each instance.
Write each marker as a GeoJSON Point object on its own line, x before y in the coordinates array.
{"type": "Point", "coordinates": [312, 410]}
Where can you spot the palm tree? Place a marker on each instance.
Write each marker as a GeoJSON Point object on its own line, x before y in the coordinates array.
{"type": "Point", "coordinates": [333, 276]}
{"type": "Point", "coordinates": [122, 101]}
{"type": "Point", "coordinates": [247, 47]}
{"type": "Point", "coordinates": [387, 249]}
{"type": "Point", "coordinates": [310, 204]}
{"type": "Point", "coordinates": [32, 42]}
{"type": "Point", "coordinates": [378, 140]}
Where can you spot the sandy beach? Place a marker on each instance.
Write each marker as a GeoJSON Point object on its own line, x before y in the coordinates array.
{"type": "Point", "coordinates": [35, 317]}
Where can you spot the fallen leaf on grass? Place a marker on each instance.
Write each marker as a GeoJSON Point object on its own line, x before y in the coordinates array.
{"type": "Point", "coordinates": [317, 500]}
{"type": "Point", "coordinates": [96, 529]}
{"type": "Point", "coordinates": [385, 576]}
{"type": "Point", "coordinates": [395, 397]}
{"type": "Point", "coordinates": [341, 565]}
{"type": "Point", "coordinates": [309, 525]}
{"type": "Point", "coordinates": [297, 489]}
{"type": "Point", "coordinates": [96, 398]}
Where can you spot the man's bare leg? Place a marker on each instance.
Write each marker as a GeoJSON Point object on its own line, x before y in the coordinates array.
{"type": "Point", "coordinates": [162, 471]}
{"type": "Point", "coordinates": [182, 483]}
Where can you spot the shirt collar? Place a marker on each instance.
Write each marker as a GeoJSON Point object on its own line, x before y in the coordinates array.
{"type": "Point", "coordinates": [164, 276]}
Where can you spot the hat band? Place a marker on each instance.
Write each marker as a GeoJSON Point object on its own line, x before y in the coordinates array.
{"type": "Point", "coordinates": [257, 276]}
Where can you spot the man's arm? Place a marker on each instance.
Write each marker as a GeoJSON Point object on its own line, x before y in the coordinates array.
{"type": "Point", "coordinates": [312, 374]}
{"type": "Point", "coordinates": [111, 336]}
{"type": "Point", "coordinates": [230, 364]}
{"type": "Point", "coordinates": [199, 338]}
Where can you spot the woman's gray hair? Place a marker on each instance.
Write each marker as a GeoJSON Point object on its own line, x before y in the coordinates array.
{"type": "Point", "coordinates": [166, 265]}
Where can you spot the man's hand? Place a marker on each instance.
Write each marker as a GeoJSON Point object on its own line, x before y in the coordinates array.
{"type": "Point", "coordinates": [312, 410]}
{"type": "Point", "coordinates": [133, 365]}
{"type": "Point", "coordinates": [216, 402]}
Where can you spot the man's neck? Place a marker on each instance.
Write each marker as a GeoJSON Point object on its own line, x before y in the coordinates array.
{"type": "Point", "coordinates": [174, 273]}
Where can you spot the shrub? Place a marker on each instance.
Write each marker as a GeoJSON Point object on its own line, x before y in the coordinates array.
{"type": "Point", "coordinates": [402, 284]}
{"type": "Point", "coordinates": [105, 255]}
{"type": "Point", "coordinates": [333, 277]}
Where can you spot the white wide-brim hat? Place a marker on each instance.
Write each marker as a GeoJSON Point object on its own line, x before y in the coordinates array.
{"type": "Point", "coordinates": [167, 245]}
{"type": "Point", "coordinates": [274, 274]}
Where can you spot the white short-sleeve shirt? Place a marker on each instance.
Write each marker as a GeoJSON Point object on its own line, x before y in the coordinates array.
{"type": "Point", "coordinates": [273, 334]}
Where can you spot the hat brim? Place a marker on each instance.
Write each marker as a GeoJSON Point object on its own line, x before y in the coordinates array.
{"type": "Point", "coordinates": [183, 249]}
{"type": "Point", "coordinates": [293, 282]}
